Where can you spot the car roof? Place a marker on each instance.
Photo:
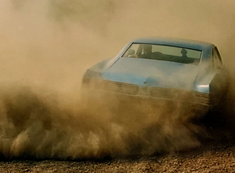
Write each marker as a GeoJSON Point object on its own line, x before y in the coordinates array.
{"type": "Point", "coordinates": [186, 43]}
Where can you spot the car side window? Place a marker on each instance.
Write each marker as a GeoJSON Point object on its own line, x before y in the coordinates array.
{"type": "Point", "coordinates": [217, 63]}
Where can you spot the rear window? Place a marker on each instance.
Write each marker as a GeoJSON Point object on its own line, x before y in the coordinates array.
{"type": "Point", "coordinates": [164, 53]}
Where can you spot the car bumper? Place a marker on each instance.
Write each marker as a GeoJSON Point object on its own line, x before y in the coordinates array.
{"type": "Point", "coordinates": [144, 102]}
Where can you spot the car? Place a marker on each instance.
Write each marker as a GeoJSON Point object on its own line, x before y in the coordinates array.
{"type": "Point", "coordinates": [184, 72]}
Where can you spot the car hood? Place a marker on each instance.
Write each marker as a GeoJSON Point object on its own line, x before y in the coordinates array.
{"type": "Point", "coordinates": [152, 73]}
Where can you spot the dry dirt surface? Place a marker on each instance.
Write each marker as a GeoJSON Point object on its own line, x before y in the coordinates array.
{"type": "Point", "coordinates": [212, 157]}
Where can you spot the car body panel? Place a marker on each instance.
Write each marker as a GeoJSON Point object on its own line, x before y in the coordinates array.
{"type": "Point", "coordinates": [152, 73]}
{"type": "Point", "coordinates": [203, 85]}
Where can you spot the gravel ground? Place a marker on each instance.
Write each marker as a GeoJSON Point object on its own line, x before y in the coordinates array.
{"type": "Point", "coordinates": [207, 158]}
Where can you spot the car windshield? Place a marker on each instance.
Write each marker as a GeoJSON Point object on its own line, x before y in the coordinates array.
{"type": "Point", "coordinates": [164, 53]}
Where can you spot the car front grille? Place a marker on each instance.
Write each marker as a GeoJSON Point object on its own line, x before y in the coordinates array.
{"type": "Point", "coordinates": [180, 95]}
{"type": "Point", "coordinates": [118, 87]}
{"type": "Point", "coordinates": [155, 92]}
{"type": "Point", "coordinates": [163, 93]}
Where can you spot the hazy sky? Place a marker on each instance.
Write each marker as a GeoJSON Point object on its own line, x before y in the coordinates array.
{"type": "Point", "coordinates": [52, 42]}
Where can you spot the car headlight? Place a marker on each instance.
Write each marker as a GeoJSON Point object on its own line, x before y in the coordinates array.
{"type": "Point", "coordinates": [202, 88]}
{"type": "Point", "coordinates": [90, 76]}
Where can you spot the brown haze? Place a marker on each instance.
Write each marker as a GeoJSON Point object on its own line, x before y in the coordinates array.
{"type": "Point", "coordinates": [47, 45]}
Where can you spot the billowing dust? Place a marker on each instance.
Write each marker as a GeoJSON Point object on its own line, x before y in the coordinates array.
{"type": "Point", "coordinates": [47, 45]}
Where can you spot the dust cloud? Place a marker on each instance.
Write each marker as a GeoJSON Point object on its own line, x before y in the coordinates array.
{"type": "Point", "coordinates": [47, 45]}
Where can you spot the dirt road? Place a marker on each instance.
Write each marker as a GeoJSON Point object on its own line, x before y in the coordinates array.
{"type": "Point", "coordinates": [213, 157]}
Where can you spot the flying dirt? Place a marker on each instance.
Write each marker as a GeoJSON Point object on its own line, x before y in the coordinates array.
{"type": "Point", "coordinates": [47, 45]}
